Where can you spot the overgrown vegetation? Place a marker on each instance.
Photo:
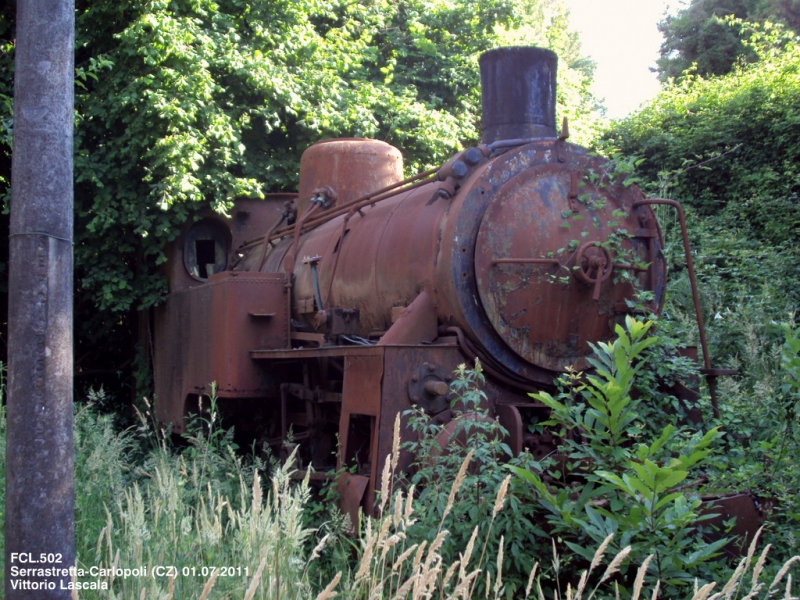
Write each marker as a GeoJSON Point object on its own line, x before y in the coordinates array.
{"type": "Point", "coordinates": [462, 527]}
{"type": "Point", "coordinates": [615, 479]}
{"type": "Point", "coordinates": [269, 79]}
{"type": "Point", "coordinates": [439, 453]}
{"type": "Point", "coordinates": [727, 148]}
{"type": "Point", "coordinates": [706, 37]}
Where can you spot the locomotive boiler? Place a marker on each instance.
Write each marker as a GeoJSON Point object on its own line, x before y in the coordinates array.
{"type": "Point", "coordinates": [323, 315]}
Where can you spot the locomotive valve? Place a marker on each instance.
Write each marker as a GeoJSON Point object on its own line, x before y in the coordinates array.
{"type": "Point", "coordinates": [595, 265]}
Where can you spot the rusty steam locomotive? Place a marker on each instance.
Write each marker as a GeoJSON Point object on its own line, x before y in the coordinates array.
{"type": "Point", "coordinates": [323, 315]}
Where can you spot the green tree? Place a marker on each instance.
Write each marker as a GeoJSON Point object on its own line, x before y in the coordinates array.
{"type": "Point", "coordinates": [729, 146]}
{"type": "Point", "coordinates": [702, 37]}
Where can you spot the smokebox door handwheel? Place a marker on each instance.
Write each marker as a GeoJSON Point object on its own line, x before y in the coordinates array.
{"type": "Point", "coordinates": [553, 268]}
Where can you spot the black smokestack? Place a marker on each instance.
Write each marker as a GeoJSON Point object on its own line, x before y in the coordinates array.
{"type": "Point", "coordinates": [518, 89]}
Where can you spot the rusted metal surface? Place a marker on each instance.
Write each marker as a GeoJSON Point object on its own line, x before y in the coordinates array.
{"type": "Point", "coordinates": [547, 312]}
{"type": "Point", "coordinates": [361, 413]}
{"type": "Point", "coordinates": [687, 391]}
{"type": "Point", "coordinates": [351, 167]}
{"type": "Point", "coordinates": [415, 323]}
{"type": "Point", "coordinates": [351, 489]}
{"type": "Point", "coordinates": [205, 334]}
{"type": "Point", "coordinates": [351, 207]}
{"type": "Point", "coordinates": [711, 374]}
{"type": "Point", "coordinates": [747, 511]}
{"type": "Point", "coordinates": [249, 217]}
{"type": "Point", "coordinates": [518, 87]}
{"type": "Point", "coordinates": [376, 260]}
{"type": "Point", "coordinates": [428, 388]}
{"type": "Point", "coordinates": [509, 417]}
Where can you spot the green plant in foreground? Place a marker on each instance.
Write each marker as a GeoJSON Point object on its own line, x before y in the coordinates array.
{"type": "Point", "coordinates": [391, 567]}
{"type": "Point", "coordinates": [626, 487]}
{"type": "Point", "coordinates": [160, 511]}
{"type": "Point", "coordinates": [439, 451]}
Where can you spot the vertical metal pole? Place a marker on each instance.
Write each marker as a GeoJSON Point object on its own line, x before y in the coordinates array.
{"type": "Point", "coordinates": [40, 505]}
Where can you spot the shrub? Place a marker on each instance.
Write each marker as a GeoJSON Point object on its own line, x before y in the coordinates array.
{"type": "Point", "coordinates": [436, 469]}
{"type": "Point", "coordinates": [610, 480]}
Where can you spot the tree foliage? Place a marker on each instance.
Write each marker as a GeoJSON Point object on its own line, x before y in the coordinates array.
{"type": "Point", "coordinates": [704, 38]}
{"type": "Point", "coordinates": [184, 104]}
{"type": "Point", "coordinates": [729, 146]}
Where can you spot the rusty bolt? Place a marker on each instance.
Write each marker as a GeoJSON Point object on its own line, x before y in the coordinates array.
{"type": "Point", "coordinates": [431, 368]}
{"type": "Point", "coordinates": [415, 378]}
{"type": "Point", "coordinates": [472, 156]}
{"type": "Point", "coordinates": [415, 399]}
{"type": "Point", "coordinates": [459, 169]}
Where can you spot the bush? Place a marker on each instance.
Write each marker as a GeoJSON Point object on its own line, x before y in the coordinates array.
{"type": "Point", "coordinates": [610, 480]}
{"type": "Point", "coordinates": [475, 439]}
{"type": "Point", "coordinates": [165, 508]}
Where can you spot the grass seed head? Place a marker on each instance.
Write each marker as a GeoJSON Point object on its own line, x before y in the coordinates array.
{"type": "Point", "coordinates": [468, 553]}
{"type": "Point", "coordinates": [531, 577]}
{"type": "Point", "coordinates": [655, 590]}
{"type": "Point", "coordinates": [213, 579]}
{"type": "Point", "coordinates": [398, 508]}
{"type": "Point", "coordinates": [704, 591]}
{"type": "Point", "coordinates": [615, 563]}
{"type": "Point", "coordinates": [501, 496]}
{"type": "Point", "coordinates": [328, 592]}
{"type": "Point", "coordinates": [782, 572]}
{"type": "Point", "coordinates": [598, 555]}
{"type": "Point", "coordinates": [385, 479]}
{"type": "Point", "coordinates": [449, 574]}
{"type": "Point", "coordinates": [760, 564]}
{"type": "Point", "coordinates": [462, 471]}
{"type": "Point", "coordinates": [498, 584]}
{"type": "Point", "coordinates": [733, 582]}
{"type": "Point", "coordinates": [639, 581]}
{"type": "Point", "coordinates": [256, 506]}
{"type": "Point", "coordinates": [396, 443]}
{"type": "Point", "coordinates": [402, 558]}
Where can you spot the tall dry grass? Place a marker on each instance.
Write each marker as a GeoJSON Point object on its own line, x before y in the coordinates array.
{"type": "Point", "coordinates": [167, 516]}
{"type": "Point", "coordinates": [256, 549]}
{"type": "Point", "coordinates": [389, 569]}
